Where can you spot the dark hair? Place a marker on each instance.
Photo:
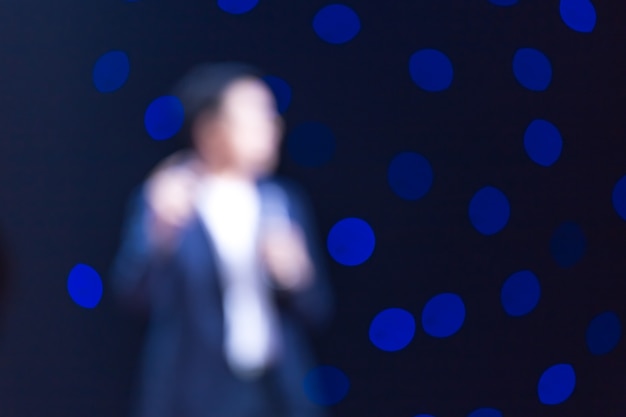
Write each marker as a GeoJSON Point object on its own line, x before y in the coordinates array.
{"type": "Point", "coordinates": [202, 88]}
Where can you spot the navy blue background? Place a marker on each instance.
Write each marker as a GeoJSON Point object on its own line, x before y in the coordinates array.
{"type": "Point", "coordinates": [69, 157]}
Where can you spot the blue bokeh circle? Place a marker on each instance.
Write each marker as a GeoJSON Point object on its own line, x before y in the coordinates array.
{"type": "Point", "coordinates": [282, 92]}
{"type": "Point", "coordinates": [431, 70]}
{"type": "Point", "coordinates": [543, 142]}
{"type": "Point", "coordinates": [443, 315]}
{"type": "Point", "coordinates": [489, 210]}
{"type": "Point", "coordinates": [164, 117]}
{"type": "Point", "coordinates": [556, 384]}
{"type": "Point", "coordinates": [603, 333]}
{"type": "Point", "coordinates": [326, 385]}
{"type": "Point", "coordinates": [532, 69]}
{"type": "Point", "coordinates": [237, 6]}
{"type": "Point", "coordinates": [392, 329]}
{"type": "Point", "coordinates": [336, 24]}
{"type": "Point", "coordinates": [351, 241]}
{"type": "Point", "coordinates": [568, 244]}
{"type": "Point", "coordinates": [520, 293]}
{"type": "Point", "coordinates": [111, 71]}
{"type": "Point", "coordinates": [504, 2]}
{"type": "Point", "coordinates": [410, 175]}
{"type": "Point", "coordinates": [485, 412]}
{"type": "Point", "coordinates": [578, 15]}
{"type": "Point", "coordinates": [619, 197]}
{"type": "Point", "coordinates": [84, 286]}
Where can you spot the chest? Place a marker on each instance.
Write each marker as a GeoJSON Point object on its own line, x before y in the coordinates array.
{"type": "Point", "coordinates": [227, 230]}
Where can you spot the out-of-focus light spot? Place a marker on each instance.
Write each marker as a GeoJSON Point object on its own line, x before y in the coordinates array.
{"type": "Point", "coordinates": [532, 69]}
{"type": "Point", "coordinates": [392, 329]}
{"type": "Point", "coordinates": [489, 210]}
{"type": "Point", "coordinates": [443, 315]}
{"type": "Point", "coordinates": [410, 175]}
{"type": "Point", "coordinates": [281, 90]}
{"type": "Point", "coordinates": [520, 293]}
{"type": "Point", "coordinates": [504, 2]}
{"type": "Point", "coordinates": [311, 144]}
{"type": "Point", "coordinates": [431, 70]}
{"type": "Point", "coordinates": [485, 412]}
{"type": "Point", "coordinates": [164, 117]}
{"type": "Point", "coordinates": [424, 415]}
{"type": "Point", "coordinates": [351, 241]}
{"type": "Point", "coordinates": [237, 6]}
{"type": "Point", "coordinates": [556, 384]}
{"type": "Point", "coordinates": [326, 385]}
{"type": "Point", "coordinates": [603, 333]}
{"type": "Point", "coordinates": [579, 15]}
{"type": "Point", "coordinates": [543, 142]}
{"type": "Point", "coordinates": [111, 71]}
{"type": "Point", "coordinates": [84, 286]}
{"type": "Point", "coordinates": [336, 24]}
{"type": "Point", "coordinates": [568, 244]}
{"type": "Point", "coordinates": [619, 197]}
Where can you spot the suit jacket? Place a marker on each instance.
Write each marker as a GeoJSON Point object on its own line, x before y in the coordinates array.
{"type": "Point", "coordinates": [184, 372]}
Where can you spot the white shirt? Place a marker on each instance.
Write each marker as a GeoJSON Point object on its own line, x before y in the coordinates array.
{"type": "Point", "coordinates": [231, 211]}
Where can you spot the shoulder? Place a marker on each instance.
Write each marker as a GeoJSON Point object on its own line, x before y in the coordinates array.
{"type": "Point", "coordinates": [285, 183]}
{"type": "Point", "coordinates": [294, 191]}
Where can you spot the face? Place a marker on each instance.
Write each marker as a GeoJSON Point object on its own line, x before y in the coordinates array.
{"type": "Point", "coordinates": [244, 136]}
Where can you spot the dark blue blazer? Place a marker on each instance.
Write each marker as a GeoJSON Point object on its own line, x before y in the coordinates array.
{"type": "Point", "coordinates": [183, 370]}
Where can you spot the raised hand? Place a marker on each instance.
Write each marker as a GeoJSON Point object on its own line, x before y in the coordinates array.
{"type": "Point", "coordinates": [170, 194]}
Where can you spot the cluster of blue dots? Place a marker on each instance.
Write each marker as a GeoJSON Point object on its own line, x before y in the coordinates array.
{"type": "Point", "coordinates": [352, 241]}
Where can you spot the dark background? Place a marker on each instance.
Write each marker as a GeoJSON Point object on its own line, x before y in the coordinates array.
{"type": "Point", "coordinates": [69, 157]}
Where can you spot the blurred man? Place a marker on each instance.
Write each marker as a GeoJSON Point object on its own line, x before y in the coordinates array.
{"type": "Point", "coordinates": [5, 271]}
{"type": "Point", "coordinates": [224, 259]}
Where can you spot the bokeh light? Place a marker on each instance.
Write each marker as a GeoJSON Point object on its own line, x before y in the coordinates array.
{"type": "Point", "coordinates": [410, 175]}
{"type": "Point", "coordinates": [392, 329]}
{"type": "Point", "coordinates": [85, 286]}
{"type": "Point", "coordinates": [556, 384]}
{"type": "Point", "coordinates": [520, 293]}
{"type": "Point", "coordinates": [326, 385]}
{"type": "Point", "coordinates": [532, 69]}
{"type": "Point", "coordinates": [351, 241]}
{"type": "Point", "coordinates": [431, 70]}
{"type": "Point", "coordinates": [578, 15]}
{"type": "Point", "coordinates": [164, 117]}
{"type": "Point", "coordinates": [111, 71]}
{"type": "Point", "coordinates": [237, 6]}
{"type": "Point", "coordinates": [489, 210]}
{"type": "Point", "coordinates": [485, 412]}
{"type": "Point", "coordinates": [603, 333]}
{"type": "Point", "coordinates": [504, 2]}
{"type": "Point", "coordinates": [282, 91]}
{"type": "Point", "coordinates": [336, 24]}
{"type": "Point", "coordinates": [619, 197]}
{"type": "Point", "coordinates": [443, 315]}
{"type": "Point", "coordinates": [311, 144]}
{"type": "Point", "coordinates": [543, 142]}
{"type": "Point", "coordinates": [568, 244]}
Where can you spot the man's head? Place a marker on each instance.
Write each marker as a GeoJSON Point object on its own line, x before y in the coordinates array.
{"type": "Point", "coordinates": [232, 119]}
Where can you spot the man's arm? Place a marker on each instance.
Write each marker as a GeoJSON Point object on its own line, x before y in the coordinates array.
{"type": "Point", "coordinates": [131, 271]}
{"type": "Point", "coordinates": [156, 215]}
{"type": "Point", "coordinates": [314, 303]}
